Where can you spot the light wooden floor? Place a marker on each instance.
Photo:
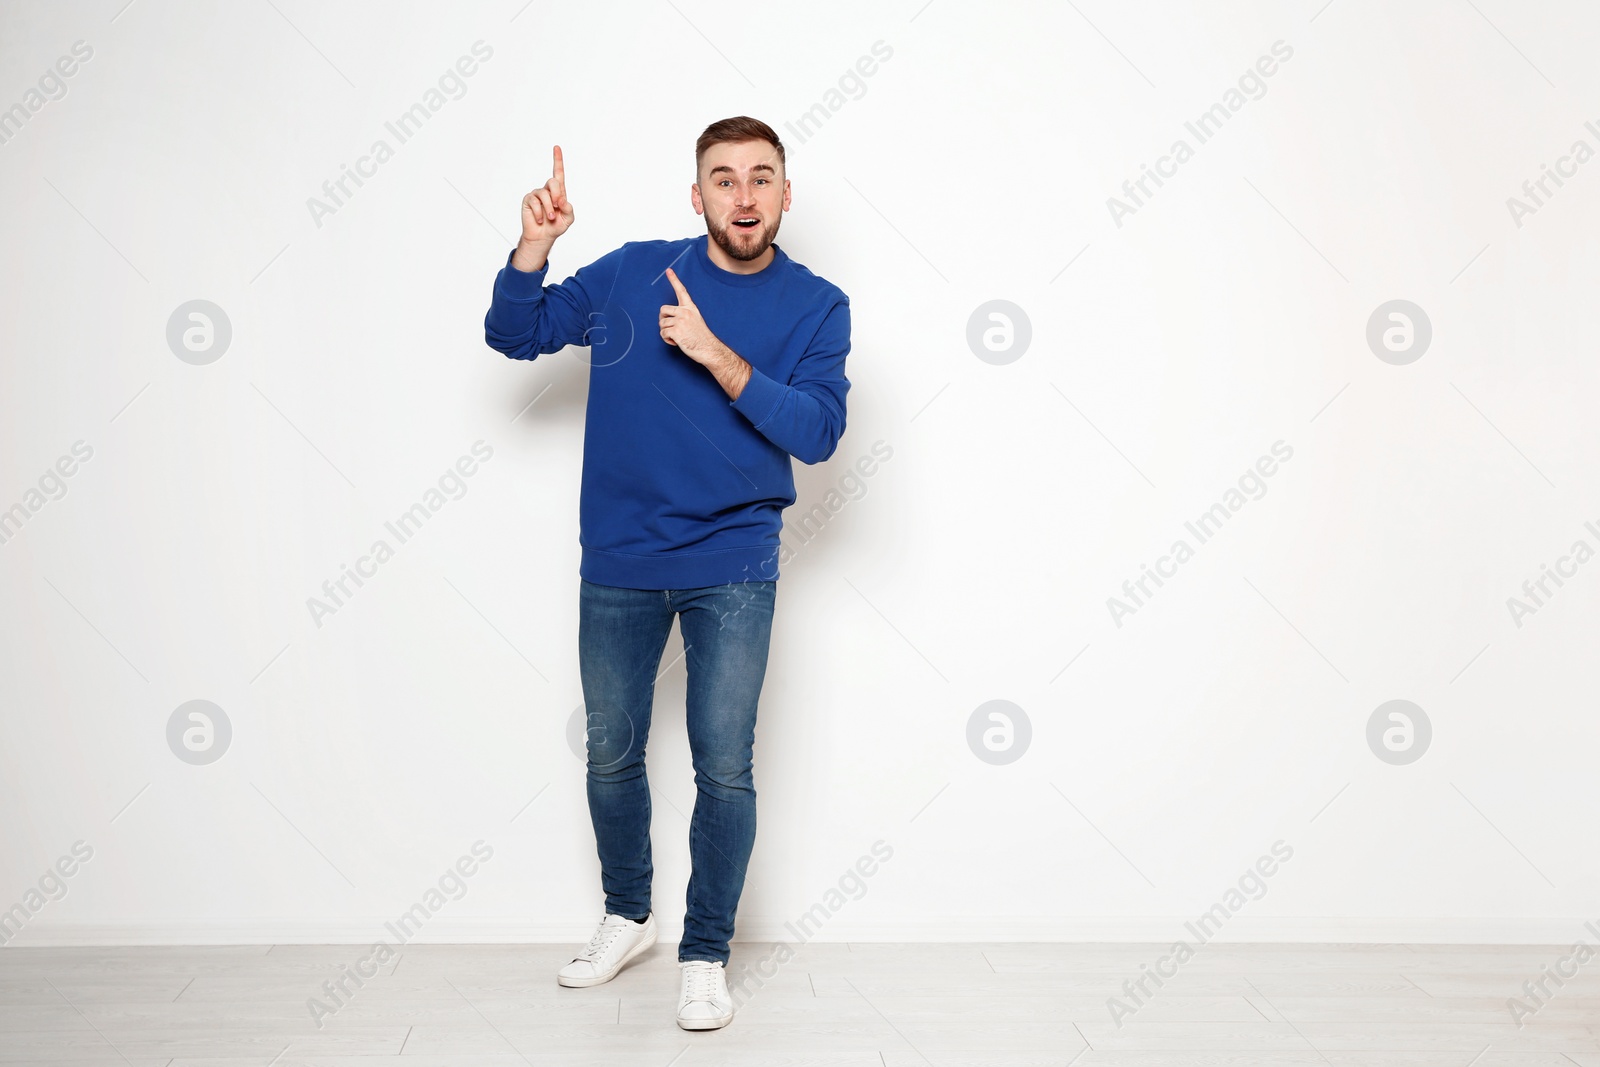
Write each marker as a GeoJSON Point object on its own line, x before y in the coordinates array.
{"type": "Point", "coordinates": [862, 1005]}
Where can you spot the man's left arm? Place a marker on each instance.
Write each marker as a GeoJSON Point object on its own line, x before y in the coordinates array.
{"type": "Point", "coordinates": [805, 416]}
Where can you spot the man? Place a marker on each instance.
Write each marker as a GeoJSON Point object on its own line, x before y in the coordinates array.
{"type": "Point", "coordinates": [714, 359]}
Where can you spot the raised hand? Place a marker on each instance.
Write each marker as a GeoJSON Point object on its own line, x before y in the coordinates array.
{"type": "Point", "coordinates": [546, 211]}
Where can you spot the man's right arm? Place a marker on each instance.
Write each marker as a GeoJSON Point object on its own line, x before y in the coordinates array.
{"type": "Point", "coordinates": [527, 318]}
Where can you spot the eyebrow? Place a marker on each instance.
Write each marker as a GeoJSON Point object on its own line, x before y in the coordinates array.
{"type": "Point", "coordinates": [758, 166]}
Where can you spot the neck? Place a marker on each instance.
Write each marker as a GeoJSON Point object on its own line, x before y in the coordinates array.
{"type": "Point", "coordinates": [738, 266]}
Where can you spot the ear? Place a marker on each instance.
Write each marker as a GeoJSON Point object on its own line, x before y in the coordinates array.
{"type": "Point", "coordinates": [788, 195]}
{"type": "Point", "coordinates": [694, 199]}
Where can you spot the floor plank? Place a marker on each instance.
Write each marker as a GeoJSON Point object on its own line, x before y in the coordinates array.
{"type": "Point", "coordinates": [846, 1005]}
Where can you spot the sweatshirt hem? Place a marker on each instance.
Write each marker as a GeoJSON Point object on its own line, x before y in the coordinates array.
{"type": "Point", "coordinates": [692, 570]}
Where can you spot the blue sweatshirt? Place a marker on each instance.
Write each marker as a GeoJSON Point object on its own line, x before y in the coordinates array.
{"type": "Point", "coordinates": [683, 487]}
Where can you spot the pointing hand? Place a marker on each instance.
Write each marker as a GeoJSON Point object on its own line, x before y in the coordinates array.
{"type": "Point", "coordinates": [682, 326]}
{"type": "Point", "coordinates": [546, 212]}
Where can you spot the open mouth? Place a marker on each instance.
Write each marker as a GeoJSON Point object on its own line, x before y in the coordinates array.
{"type": "Point", "coordinates": [748, 222]}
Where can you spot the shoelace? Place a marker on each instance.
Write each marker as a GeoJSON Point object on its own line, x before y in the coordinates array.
{"type": "Point", "coordinates": [601, 941]}
{"type": "Point", "coordinates": [700, 980]}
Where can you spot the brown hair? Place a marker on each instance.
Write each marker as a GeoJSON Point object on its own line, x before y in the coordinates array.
{"type": "Point", "coordinates": [739, 128]}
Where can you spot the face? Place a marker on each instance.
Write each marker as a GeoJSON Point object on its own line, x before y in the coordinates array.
{"type": "Point", "coordinates": [742, 180]}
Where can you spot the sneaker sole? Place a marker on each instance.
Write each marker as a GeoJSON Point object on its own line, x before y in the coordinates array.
{"type": "Point", "coordinates": [705, 1024]}
{"type": "Point", "coordinates": [600, 979]}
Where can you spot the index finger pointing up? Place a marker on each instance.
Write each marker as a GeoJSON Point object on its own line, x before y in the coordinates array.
{"type": "Point", "coordinates": [559, 174]}
{"type": "Point", "coordinates": [683, 294]}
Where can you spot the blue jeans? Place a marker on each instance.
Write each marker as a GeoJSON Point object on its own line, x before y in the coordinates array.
{"type": "Point", "coordinates": [621, 635]}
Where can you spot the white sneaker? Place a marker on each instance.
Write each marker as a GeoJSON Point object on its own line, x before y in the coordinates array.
{"type": "Point", "coordinates": [704, 1003]}
{"type": "Point", "coordinates": [615, 942]}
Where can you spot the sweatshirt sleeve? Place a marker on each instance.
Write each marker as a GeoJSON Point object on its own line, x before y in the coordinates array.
{"type": "Point", "coordinates": [805, 416]}
{"type": "Point", "coordinates": [527, 318]}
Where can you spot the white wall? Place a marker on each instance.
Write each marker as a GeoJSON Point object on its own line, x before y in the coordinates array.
{"type": "Point", "coordinates": [1168, 354]}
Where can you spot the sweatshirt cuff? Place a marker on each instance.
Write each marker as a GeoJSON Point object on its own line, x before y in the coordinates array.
{"type": "Point", "coordinates": [522, 284]}
{"type": "Point", "coordinates": [760, 397]}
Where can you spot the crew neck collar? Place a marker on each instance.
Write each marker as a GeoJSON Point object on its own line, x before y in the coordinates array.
{"type": "Point", "coordinates": [728, 277]}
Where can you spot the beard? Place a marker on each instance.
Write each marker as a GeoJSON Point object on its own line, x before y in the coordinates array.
{"type": "Point", "coordinates": [741, 245]}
